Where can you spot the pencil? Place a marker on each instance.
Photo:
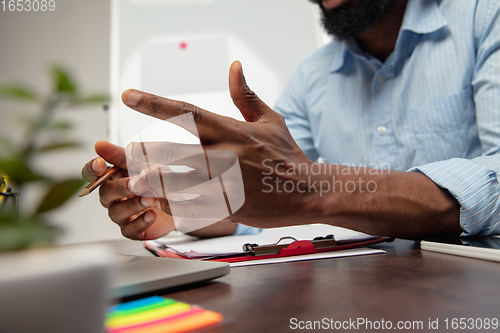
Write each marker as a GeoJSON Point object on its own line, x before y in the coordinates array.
{"type": "Point", "coordinates": [462, 250]}
{"type": "Point", "coordinates": [96, 183]}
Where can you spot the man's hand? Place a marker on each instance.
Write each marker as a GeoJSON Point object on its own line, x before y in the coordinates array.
{"type": "Point", "coordinates": [139, 217]}
{"type": "Point", "coordinates": [262, 145]}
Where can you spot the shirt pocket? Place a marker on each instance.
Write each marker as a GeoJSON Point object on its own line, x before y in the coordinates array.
{"type": "Point", "coordinates": [445, 128]}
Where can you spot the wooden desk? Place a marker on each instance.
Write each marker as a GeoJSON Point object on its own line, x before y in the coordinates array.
{"type": "Point", "coordinates": [405, 284]}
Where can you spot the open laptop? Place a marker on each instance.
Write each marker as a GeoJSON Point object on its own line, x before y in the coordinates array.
{"type": "Point", "coordinates": [133, 275]}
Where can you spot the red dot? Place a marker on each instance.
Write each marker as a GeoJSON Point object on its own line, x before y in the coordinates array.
{"type": "Point", "coordinates": [183, 45]}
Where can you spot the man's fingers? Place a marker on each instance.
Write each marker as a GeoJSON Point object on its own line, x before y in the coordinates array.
{"type": "Point", "coordinates": [220, 161]}
{"type": "Point", "coordinates": [250, 105]}
{"type": "Point", "coordinates": [108, 152]}
{"type": "Point", "coordinates": [136, 229]}
{"type": "Point", "coordinates": [202, 123]}
{"type": "Point", "coordinates": [121, 211]}
{"type": "Point", "coordinates": [93, 169]}
{"type": "Point", "coordinates": [113, 154]}
{"type": "Point", "coordinates": [162, 180]}
{"type": "Point", "coordinates": [163, 183]}
{"type": "Point", "coordinates": [152, 155]}
{"type": "Point", "coordinates": [152, 224]}
{"type": "Point", "coordinates": [114, 190]}
{"type": "Point", "coordinates": [164, 153]}
{"type": "Point", "coordinates": [198, 213]}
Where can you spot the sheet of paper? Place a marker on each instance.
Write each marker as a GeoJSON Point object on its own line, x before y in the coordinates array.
{"type": "Point", "coordinates": [312, 256]}
{"type": "Point", "coordinates": [234, 244]}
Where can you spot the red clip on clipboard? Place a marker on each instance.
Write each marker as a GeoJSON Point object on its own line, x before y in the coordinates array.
{"type": "Point", "coordinates": [276, 250]}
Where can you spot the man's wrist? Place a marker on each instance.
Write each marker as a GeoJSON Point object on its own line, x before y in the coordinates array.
{"type": "Point", "coordinates": [349, 197]}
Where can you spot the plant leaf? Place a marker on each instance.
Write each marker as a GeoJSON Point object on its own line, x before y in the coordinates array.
{"type": "Point", "coordinates": [17, 92]}
{"type": "Point", "coordinates": [31, 122]}
{"type": "Point", "coordinates": [61, 125]}
{"type": "Point", "coordinates": [59, 193]}
{"type": "Point", "coordinates": [63, 81]}
{"type": "Point", "coordinates": [18, 171]}
{"type": "Point", "coordinates": [59, 145]}
{"type": "Point", "coordinates": [92, 99]}
{"type": "Point", "coordinates": [6, 146]}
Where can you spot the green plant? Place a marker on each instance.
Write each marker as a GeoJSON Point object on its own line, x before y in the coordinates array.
{"type": "Point", "coordinates": [43, 133]}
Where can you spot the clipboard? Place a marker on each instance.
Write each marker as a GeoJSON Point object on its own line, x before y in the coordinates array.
{"type": "Point", "coordinates": [276, 250]}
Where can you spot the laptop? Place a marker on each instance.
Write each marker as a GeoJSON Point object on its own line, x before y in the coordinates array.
{"type": "Point", "coordinates": [133, 275]}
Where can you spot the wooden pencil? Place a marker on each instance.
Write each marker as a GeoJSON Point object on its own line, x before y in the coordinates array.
{"type": "Point", "coordinates": [96, 183]}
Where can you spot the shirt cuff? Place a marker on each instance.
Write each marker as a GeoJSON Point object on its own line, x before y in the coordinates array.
{"type": "Point", "coordinates": [476, 188]}
{"type": "Point", "coordinates": [245, 230]}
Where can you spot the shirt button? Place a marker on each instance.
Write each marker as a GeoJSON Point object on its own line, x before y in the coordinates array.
{"type": "Point", "coordinates": [381, 130]}
{"type": "Point", "coordinates": [381, 78]}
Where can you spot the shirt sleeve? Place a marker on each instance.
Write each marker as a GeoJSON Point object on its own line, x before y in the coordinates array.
{"type": "Point", "coordinates": [291, 105]}
{"type": "Point", "coordinates": [475, 183]}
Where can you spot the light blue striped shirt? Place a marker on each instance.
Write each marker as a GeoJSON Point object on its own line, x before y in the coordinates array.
{"type": "Point", "coordinates": [432, 106]}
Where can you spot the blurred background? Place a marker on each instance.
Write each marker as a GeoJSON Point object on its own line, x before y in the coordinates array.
{"type": "Point", "coordinates": [78, 36]}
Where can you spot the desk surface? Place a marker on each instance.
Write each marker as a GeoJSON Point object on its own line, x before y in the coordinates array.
{"type": "Point", "coordinates": [405, 284]}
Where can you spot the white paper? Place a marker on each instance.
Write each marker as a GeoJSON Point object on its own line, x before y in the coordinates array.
{"type": "Point", "coordinates": [312, 256]}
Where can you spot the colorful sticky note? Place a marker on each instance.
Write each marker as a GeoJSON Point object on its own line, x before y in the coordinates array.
{"type": "Point", "coordinates": [158, 315]}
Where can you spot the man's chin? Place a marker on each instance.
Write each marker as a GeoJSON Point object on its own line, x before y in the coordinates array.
{"type": "Point", "coordinates": [351, 17]}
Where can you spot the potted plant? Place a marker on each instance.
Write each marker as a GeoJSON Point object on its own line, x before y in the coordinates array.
{"type": "Point", "coordinates": [20, 228]}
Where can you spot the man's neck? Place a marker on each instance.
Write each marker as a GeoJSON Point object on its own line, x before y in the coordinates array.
{"type": "Point", "coordinates": [380, 38]}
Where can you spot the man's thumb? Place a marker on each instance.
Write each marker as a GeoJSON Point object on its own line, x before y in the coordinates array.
{"type": "Point", "coordinates": [111, 153]}
{"type": "Point", "coordinates": [250, 105]}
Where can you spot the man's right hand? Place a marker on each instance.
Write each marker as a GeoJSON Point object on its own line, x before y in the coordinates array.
{"type": "Point", "coordinates": [139, 217]}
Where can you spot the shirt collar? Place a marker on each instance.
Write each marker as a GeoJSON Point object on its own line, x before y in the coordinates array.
{"type": "Point", "coordinates": [339, 50]}
{"type": "Point", "coordinates": [421, 17]}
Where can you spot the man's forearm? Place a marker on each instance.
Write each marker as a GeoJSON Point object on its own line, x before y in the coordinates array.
{"type": "Point", "coordinates": [390, 203]}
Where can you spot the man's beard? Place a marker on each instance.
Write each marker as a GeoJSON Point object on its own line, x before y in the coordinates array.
{"type": "Point", "coordinates": [351, 18]}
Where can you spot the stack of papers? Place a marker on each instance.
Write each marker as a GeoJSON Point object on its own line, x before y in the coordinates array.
{"type": "Point", "coordinates": [233, 245]}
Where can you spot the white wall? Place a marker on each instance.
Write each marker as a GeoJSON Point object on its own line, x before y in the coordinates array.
{"type": "Point", "coordinates": [76, 34]}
